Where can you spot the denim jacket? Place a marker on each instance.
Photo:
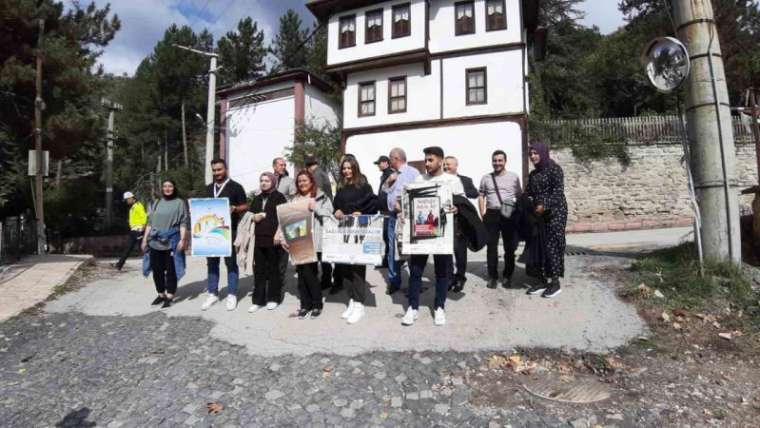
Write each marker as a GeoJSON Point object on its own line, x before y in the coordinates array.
{"type": "Point", "coordinates": [173, 236]}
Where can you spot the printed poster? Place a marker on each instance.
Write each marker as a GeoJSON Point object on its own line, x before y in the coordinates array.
{"type": "Point", "coordinates": [296, 223]}
{"type": "Point", "coordinates": [427, 225]}
{"type": "Point", "coordinates": [355, 240]}
{"type": "Point", "coordinates": [211, 224]}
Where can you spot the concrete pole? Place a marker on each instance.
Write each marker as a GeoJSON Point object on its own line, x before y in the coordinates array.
{"type": "Point", "coordinates": [210, 117]}
{"type": "Point", "coordinates": [109, 168]}
{"type": "Point", "coordinates": [711, 136]}
{"type": "Point", "coordinates": [39, 105]}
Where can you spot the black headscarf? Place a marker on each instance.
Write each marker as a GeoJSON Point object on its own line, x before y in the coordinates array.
{"type": "Point", "coordinates": [175, 193]}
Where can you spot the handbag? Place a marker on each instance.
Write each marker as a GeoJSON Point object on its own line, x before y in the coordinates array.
{"type": "Point", "coordinates": [506, 208]}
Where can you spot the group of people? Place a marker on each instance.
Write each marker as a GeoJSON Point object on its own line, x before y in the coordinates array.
{"type": "Point", "coordinates": [536, 214]}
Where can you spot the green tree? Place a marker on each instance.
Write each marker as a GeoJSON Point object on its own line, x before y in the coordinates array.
{"type": "Point", "coordinates": [320, 140]}
{"type": "Point", "coordinates": [72, 119]}
{"type": "Point", "coordinates": [317, 49]}
{"type": "Point", "coordinates": [289, 46]}
{"type": "Point", "coordinates": [242, 53]}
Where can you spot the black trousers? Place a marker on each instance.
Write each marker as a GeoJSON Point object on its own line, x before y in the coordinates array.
{"type": "Point", "coordinates": [327, 272]}
{"type": "Point", "coordinates": [309, 287]}
{"type": "Point", "coordinates": [497, 226]}
{"type": "Point", "coordinates": [164, 275]}
{"type": "Point", "coordinates": [267, 283]}
{"type": "Point", "coordinates": [460, 256]}
{"type": "Point", "coordinates": [357, 285]}
{"type": "Point", "coordinates": [134, 238]}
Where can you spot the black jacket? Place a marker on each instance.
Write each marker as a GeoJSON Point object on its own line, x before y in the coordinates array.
{"type": "Point", "coordinates": [469, 188]}
{"type": "Point", "coordinates": [470, 224]}
{"type": "Point", "coordinates": [266, 229]}
{"type": "Point", "coordinates": [351, 199]}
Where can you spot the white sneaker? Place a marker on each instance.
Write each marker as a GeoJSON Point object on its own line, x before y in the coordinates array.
{"type": "Point", "coordinates": [440, 317]}
{"type": "Point", "coordinates": [272, 305]}
{"type": "Point", "coordinates": [210, 301]}
{"type": "Point", "coordinates": [254, 308]}
{"type": "Point", "coordinates": [347, 312]}
{"type": "Point", "coordinates": [231, 303]}
{"type": "Point", "coordinates": [409, 317]}
{"type": "Point", "coordinates": [356, 314]}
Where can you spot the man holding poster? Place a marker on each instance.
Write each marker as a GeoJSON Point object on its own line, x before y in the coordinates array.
{"type": "Point", "coordinates": [225, 188]}
{"type": "Point", "coordinates": [430, 217]}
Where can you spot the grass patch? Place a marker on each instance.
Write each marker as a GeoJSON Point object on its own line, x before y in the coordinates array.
{"type": "Point", "coordinates": [675, 273]}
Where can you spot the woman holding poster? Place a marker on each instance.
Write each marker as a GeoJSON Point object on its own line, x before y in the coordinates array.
{"type": "Point", "coordinates": [355, 197]}
{"type": "Point", "coordinates": [267, 288]}
{"type": "Point", "coordinates": [309, 285]}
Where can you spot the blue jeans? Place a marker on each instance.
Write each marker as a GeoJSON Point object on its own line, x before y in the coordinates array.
{"type": "Point", "coordinates": [394, 267]}
{"type": "Point", "coordinates": [443, 269]}
{"type": "Point", "coordinates": [213, 275]}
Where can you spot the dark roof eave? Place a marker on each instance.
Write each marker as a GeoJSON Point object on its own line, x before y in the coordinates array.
{"type": "Point", "coordinates": [290, 75]}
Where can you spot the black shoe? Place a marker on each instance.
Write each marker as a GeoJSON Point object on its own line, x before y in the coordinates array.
{"type": "Point", "coordinates": [167, 303]}
{"type": "Point", "coordinates": [458, 287]}
{"type": "Point", "coordinates": [492, 283]}
{"type": "Point", "coordinates": [335, 289]}
{"type": "Point", "coordinates": [302, 313]}
{"type": "Point", "coordinates": [537, 289]}
{"type": "Point", "coordinates": [326, 285]}
{"type": "Point", "coordinates": [506, 282]}
{"type": "Point", "coordinates": [391, 289]}
{"type": "Point", "coordinates": [157, 301]}
{"type": "Point", "coordinates": [315, 313]}
{"type": "Point", "coordinates": [553, 290]}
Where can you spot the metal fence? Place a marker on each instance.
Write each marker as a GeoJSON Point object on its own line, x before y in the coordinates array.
{"type": "Point", "coordinates": [18, 238]}
{"type": "Point", "coordinates": [633, 130]}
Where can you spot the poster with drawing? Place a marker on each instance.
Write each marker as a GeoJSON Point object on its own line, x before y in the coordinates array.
{"type": "Point", "coordinates": [211, 227]}
{"type": "Point", "coordinates": [296, 222]}
{"type": "Point", "coordinates": [427, 226]}
{"type": "Point", "coordinates": [355, 240]}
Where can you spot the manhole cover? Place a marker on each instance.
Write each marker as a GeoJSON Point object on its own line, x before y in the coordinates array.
{"type": "Point", "coordinates": [576, 390]}
{"type": "Point", "coordinates": [576, 251]}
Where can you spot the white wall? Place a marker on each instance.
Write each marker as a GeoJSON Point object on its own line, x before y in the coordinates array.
{"type": "Point", "coordinates": [504, 84]}
{"type": "Point", "coordinates": [443, 37]}
{"type": "Point", "coordinates": [256, 134]}
{"type": "Point", "coordinates": [423, 95]}
{"type": "Point", "coordinates": [472, 144]}
{"type": "Point", "coordinates": [319, 109]}
{"type": "Point", "coordinates": [389, 45]}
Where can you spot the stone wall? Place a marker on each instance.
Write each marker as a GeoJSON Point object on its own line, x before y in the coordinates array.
{"type": "Point", "coordinates": [650, 192]}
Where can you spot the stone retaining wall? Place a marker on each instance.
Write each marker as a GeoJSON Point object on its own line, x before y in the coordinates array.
{"type": "Point", "coordinates": [650, 192]}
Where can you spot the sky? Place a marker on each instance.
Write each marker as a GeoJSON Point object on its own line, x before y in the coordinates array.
{"type": "Point", "coordinates": [144, 21]}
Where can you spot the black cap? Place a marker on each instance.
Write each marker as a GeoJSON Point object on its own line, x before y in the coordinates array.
{"type": "Point", "coordinates": [309, 161]}
{"type": "Point", "coordinates": [433, 150]}
{"type": "Point", "coordinates": [382, 159]}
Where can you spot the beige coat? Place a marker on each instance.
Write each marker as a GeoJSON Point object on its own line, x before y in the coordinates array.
{"type": "Point", "coordinates": [244, 243]}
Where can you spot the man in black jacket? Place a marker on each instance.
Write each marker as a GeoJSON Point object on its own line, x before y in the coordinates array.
{"type": "Point", "coordinates": [451, 165]}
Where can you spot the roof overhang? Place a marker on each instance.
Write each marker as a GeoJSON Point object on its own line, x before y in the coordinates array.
{"type": "Point", "coordinates": [296, 75]}
{"type": "Point", "coordinates": [323, 9]}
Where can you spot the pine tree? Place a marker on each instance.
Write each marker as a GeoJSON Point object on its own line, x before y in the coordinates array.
{"type": "Point", "coordinates": [242, 53]}
{"type": "Point", "coordinates": [289, 46]}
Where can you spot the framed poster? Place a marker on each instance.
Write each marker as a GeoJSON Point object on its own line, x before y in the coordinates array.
{"type": "Point", "coordinates": [355, 240]}
{"type": "Point", "coordinates": [296, 224]}
{"type": "Point", "coordinates": [427, 225]}
{"type": "Point", "coordinates": [211, 225]}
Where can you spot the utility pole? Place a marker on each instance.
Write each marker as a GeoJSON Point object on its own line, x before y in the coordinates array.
{"type": "Point", "coordinates": [184, 136]}
{"type": "Point", "coordinates": [211, 108]}
{"type": "Point", "coordinates": [112, 109]}
{"type": "Point", "coordinates": [39, 105]}
{"type": "Point", "coordinates": [711, 135]}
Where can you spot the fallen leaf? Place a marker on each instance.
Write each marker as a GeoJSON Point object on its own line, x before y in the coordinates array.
{"type": "Point", "coordinates": [680, 313]}
{"type": "Point", "coordinates": [676, 326]}
{"type": "Point", "coordinates": [737, 333]}
{"type": "Point", "coordinates": [327, 369]}
{"type": "Point", "coordinates": [716, 324]}
{"type": "Point", "coordinates": [726, 336]}
{"type": "Point", "coordinates": [665, 317]}
{"type": "Point", "coordinates": [496, 361]}
{"type": "Point", "coordinates": [214, 408]}
{"type": "Point", "coordinates": [658, 294]}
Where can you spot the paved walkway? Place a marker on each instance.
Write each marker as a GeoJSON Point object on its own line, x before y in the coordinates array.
{"type": "Point", "coordinates": [33, 279]}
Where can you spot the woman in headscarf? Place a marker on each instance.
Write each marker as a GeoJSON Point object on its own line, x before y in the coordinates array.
{"type": "Point", "coordinates": [546, 188]}
{"type": "Point", "coordinates": [309, 286]}
{"type": "Point", "coordinates": [165, 239]}
{"type": "Point", "coordinates": [354, 197]}
{"type": "Point", "coordinates": [267, 289]}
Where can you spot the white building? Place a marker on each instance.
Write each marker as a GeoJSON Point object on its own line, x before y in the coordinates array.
{"type": "Point", "coordinates": [431, 72]}
{"type": "Point", "coordinates": [259, 120]}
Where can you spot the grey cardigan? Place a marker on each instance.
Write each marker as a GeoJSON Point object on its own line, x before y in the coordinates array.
{"type": "Point", "coordinates": [323, 207]}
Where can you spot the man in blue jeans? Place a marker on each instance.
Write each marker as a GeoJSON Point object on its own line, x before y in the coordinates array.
{"type": "Point", "coordinates": [224, 187]}
{"type": "Point", "coordinates": [393, 187]}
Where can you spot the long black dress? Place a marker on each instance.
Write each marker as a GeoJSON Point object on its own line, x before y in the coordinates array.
{"type": "Point", "coordinates": [546, 185]}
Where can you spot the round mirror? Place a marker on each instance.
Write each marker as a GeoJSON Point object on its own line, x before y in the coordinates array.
{"type": "Point", "coordinates": [666, 63]}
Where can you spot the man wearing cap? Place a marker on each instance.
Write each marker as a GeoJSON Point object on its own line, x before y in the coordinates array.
{"type": "Point", "coordinates": [443, 262]}
{"type": "Point", "coordinates": [384, 165]}
{"type": "Point", "coordinates": [137, 221]}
